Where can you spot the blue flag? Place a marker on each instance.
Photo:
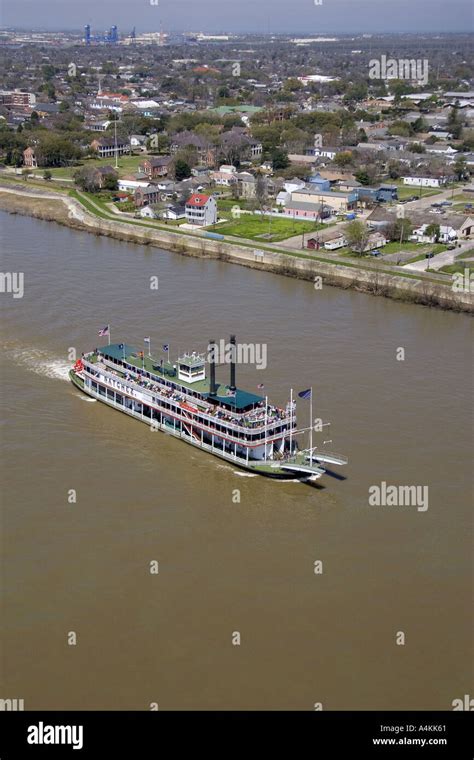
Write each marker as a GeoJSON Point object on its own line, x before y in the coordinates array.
{"type": "Point", "coordinates": [305, 394]}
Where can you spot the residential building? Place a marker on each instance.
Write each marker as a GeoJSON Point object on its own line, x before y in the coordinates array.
{"type": "Point", "coordinates": [107, 148]}
{"type": "Point", "coordinates": [247, 185]}
{"type": "Point", "coordinates": [146, 212]}
{"type": "Point", "coordinates": [175, 212]}
{"type": "Point", "coordinates": [339, 202]}
{"type": "Point", "coordinates": [450, 228]}
{"type": "Point", "coordinates": [201, 210]}
{"type": "Point", "coordinates": [145, 195]}
{"type": "Point", "coordinates": [423, 181]}
{"type": "Point", "coordinates": [138, 142]}
{"type": "Point", "coordinates": [206, 152]}
{"type": "Point", "coordinates": [17, 98]}
{"type": "Point", "coordinates": [155, 167]}
{"type": "Point", "coordinates": [223, 179]}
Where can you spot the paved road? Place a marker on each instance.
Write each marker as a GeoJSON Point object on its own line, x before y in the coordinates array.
{"type": "Point", "coordinates": [427, 200]}
{"type": "Point", "coordinates": [443, 259]}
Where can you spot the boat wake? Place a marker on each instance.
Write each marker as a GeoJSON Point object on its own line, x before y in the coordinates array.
{"type": "Point", "coordinates": [85, 398]}
{"type": "Point", "coordinates": [41, 363]}
{"type": "Point", "coordinates": [245, 474]}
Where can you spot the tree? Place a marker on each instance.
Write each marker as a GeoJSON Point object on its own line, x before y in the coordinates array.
{"type": "Point", "coordinates": [343, 159]}
{"type": "Point", "coordinates": [433, 230]}
{"type": "Point", "coordinates": [460, 168]}
{"type": "Point", "coordinates": [280, 159]}
{"type": "Point", "coordinates": [416, 148]}
{"type": "Point", "coordinates": [47, 175]}
{"type": "Point", "coordinates": [356, 92]}
{"type": "Point", "coordinates": [110, 182]}
{"type": "Point", "coordinates": [261, 191]}
{"type": "Point", "coordinates": [454, 123]}
{"type": "Point", "coordinates": [366, 174]}
{"type": "Point", "coordinates": [87, 179]}
{"type": "Point", "coordinates": [399, 230]}
{"type": "Point", "coordinates": [394, 169]}
{"type": "Point", "coordinates": [357, 235]}
{"type": "Point", "coordinates": [182, 170]}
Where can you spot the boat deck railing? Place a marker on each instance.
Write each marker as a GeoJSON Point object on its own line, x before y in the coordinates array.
{"type": "Point", "coordinates": [187, 398]}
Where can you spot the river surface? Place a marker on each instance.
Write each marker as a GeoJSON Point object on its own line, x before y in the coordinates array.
{"type": "Point", "coordinates": [236, 553]}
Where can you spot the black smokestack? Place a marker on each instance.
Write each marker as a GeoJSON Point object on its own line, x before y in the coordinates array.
{"type": "Point", "coordinates": [232, 363]}
{"type": "Point", "coordinates": [212, 361]}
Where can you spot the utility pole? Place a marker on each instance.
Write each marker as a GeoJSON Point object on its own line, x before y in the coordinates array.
{"type": "Point", "coordinates": [116, 150]}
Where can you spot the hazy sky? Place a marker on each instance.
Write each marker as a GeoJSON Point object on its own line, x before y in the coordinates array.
{"type": "Point", "coordinates": [243, 15]}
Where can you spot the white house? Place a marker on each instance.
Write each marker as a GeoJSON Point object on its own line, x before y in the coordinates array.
{"type": "Point", "coordinates": [443, 150]}
{"type": "Point", "coordinates": [175, 212]}
{"type": "Point", "coordinates": [227, 169]}
{"type": "Point", "coordinates": [449, 229]}
{"type": "Point", "coordinates": [224, 179]}
{"type": "Point", "coordinates": [294, 184]}
{"type": "Point", "coordinates": [201, 210]}
{"type": "Point", "coordinates": [325, 152]}
{"type": "Point", "coordinates": [282, 198]}
{"type": "Point", "coordinates": [425, 181]}
{"type": "Point", "coordinates": [146, 212]}
{"type": "Point", "coordinates": [138, 142]}
{"type": "Point", "coordinates": [131, 184]}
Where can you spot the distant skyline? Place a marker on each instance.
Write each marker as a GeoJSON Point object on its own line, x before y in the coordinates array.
{"type": "Point", "coordinates": [237, 16]}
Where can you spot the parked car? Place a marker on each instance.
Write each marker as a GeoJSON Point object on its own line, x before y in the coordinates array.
{"type": "Point", "coordinates": [451, 246]}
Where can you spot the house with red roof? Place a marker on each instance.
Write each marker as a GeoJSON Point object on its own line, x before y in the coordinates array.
{"type": "Point", "coordinates": [201, 210]}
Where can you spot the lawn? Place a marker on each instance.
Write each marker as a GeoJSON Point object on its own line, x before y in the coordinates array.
{"type": "Point", "coordinates": [226, 204]}
{"type": "Point", "coordinates": [266, 229]}
{"type": "Point", "coordinates": [127, 165]}
{"type": "Point", "coordinates": [458, 268]}
{"type": "Point", "coordinates": [406, 191]}
{"type": "Point", "coordinates": [468, 197]}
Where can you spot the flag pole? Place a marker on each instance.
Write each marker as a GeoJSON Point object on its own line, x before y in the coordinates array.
{"type": "Point", "coordinates": [311, 428]}
{"type": "Point", "coordinates": [266, 425]}
{"type": "Point", "coordinates": [109, 335]}
{"type": "Point", "coordinates": [291, 421]}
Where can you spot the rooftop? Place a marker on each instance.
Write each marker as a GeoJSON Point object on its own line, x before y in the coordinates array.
{"type": "Point", "coordinates": [241, 401]}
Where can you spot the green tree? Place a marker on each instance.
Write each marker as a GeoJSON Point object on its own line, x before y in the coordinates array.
{"type": "Point", "coordinates": [182, 170]}
{"type": "Point", "coordinates": [460, 168]}
{"type": "Point", "coordinates": [280, 159]}
{"type": "Point", "coordinates": [47, 175]}
{"type": "Point", "coordinates": [343, 159]}
{"type": "Point", "coordinates": [433, 230]}
{"type": "Point", "coordinates": [357, 235]}
{"type": "Point", "coordinates": [399, 230]}
{"type": "Point", "coordinates": [110, 182]}
{"type": "Point", "coordinates": [454, 123]}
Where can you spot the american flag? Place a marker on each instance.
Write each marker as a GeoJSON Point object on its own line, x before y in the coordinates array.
{"type": "Point", "coordinates": [104, 331]}
{"type": "Point", "coordinates": [260, 386]}
{"type": "Point", "coordinates": [306, 394]}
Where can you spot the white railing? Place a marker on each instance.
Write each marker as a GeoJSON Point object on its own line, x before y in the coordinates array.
{"type": "Point", "coordinates": [192, 400]}
{"type": "Point", "coordinates": [149, 397]}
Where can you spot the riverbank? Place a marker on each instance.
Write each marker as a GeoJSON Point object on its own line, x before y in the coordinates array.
{"type": "Point", "coordinates": [375, 278]}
